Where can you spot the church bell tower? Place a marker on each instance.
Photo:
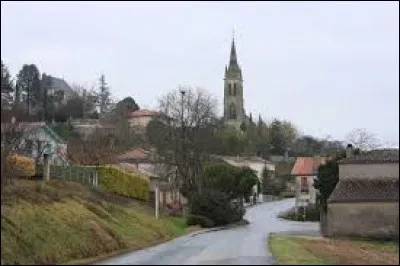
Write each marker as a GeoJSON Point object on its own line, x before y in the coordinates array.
{"type": "Point", "coordinates": [234, 113]}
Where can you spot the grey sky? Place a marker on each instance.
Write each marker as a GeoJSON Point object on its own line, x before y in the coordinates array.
{"type": "Point", "coordinates": [328, 67]}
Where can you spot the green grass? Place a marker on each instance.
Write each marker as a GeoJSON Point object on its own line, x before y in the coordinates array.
{"type": "Point", "coordinates": [289, 252]}
{"type": "Point", "coordinates": [327, 251]}
{"type": "Point", "coordinates": [60, 222]}
{"type": "Point", "coordinates": [382, 246]}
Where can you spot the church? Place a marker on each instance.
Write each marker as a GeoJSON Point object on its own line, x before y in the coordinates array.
{"type": "Point", "coordinates": [234, 113]}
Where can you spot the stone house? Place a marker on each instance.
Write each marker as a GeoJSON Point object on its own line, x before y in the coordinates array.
{"type": "Point", "coordinates": [365, 202]}
{"type": "Point", "coordinates": [158, 174]}
{"type": "Point", "coordinates": [255, 163]}
{"type": "Point", "coordinates": [139, 119]}
{"type": "Point", "coordinates": [304, 171]}
{"type": "Point", "coordinates": [58, 88]}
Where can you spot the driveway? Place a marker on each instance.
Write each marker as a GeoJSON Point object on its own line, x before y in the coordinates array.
{"type": "Point", "coordinates": [242, 245]}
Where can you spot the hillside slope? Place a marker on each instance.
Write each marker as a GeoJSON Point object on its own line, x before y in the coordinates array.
{"type": "Point", "coordinates": [59, 222]}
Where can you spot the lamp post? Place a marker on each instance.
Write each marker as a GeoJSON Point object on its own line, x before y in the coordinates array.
{"type": "Point", "coordinates": [157, 197]}
{"type": "Point", "coordinates": [183, 92]}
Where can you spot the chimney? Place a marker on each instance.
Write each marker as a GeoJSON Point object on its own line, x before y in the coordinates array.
{"type": "Point", "coordinates": [349, 150]}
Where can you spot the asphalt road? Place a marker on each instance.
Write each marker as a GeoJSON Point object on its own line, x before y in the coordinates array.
{"type": "Point", "coordinates": [242, 245]}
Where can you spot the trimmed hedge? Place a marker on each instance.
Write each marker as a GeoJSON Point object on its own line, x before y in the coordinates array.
{"type": "Point", "coordinates": [124, 184]}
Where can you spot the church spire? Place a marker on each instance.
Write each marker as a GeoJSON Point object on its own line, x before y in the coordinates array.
{"type": "Point", "coordinates": [233, 57]}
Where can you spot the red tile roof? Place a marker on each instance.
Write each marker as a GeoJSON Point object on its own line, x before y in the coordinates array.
{"type": "Point", "coordinates": [307, 165]}
{"type": "Point", "coordinates": [143, 112]}
{"type": "Point", "coordinates": [135, 154]}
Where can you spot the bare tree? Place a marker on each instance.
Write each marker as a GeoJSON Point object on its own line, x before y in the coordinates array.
{"type": "Point", "coordinates": [187, 120]}
{"type": "Point", "coordinates": [10, 140]}
{"type": "Point", "coordinates": [363, 139]}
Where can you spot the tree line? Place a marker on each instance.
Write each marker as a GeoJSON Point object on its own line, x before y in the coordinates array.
{"type": "Point", "coordinates": [36, 96]}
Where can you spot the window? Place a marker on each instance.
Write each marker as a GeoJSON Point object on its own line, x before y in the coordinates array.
{"type": "Point", "coordinates": [234, 89]}
{"type": "Point", "coordinates": [304, 184]}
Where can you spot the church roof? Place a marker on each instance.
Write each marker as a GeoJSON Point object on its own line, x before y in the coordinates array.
{"type": "Point", "coordinates": [233, 66]}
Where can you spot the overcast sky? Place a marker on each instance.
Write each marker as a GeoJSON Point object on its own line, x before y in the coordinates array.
{"type": "Point", "coordinates": [328, 67]}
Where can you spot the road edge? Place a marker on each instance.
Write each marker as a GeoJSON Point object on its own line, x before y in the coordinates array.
{"type": "Point", "coordinates": [93, 260]}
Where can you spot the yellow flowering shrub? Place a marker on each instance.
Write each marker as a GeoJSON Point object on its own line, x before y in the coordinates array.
{"type": "Point", "coordinates": [20, 166]}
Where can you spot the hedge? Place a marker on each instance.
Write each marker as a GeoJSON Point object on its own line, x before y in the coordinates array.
{"type": "Point", "coordinates": [124, 184]}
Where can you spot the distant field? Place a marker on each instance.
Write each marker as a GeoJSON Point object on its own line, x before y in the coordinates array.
{"type": "Point", "coordinates": [60, 222]}
{"type": "Point", "coordinates": [322, 251]}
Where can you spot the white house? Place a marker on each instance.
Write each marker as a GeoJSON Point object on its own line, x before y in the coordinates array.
{"type": "Point", "coordinates": [305, 170]}
{"type": "Point", "coordinates": [37, 139]}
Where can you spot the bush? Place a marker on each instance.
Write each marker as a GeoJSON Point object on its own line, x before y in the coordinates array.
{"type": "Point", "coordinates": [311, 211]}
{"type": "Point", "coordinates": [236, 182]}
{"type": "Point", "coordinates": [200, 220]}
{"type": "Point", "coordinates": [124, 184]}
{"type": "Point", "coordinates": [215, 206]}
{"type": "Point", "coordinates": [20, 166]}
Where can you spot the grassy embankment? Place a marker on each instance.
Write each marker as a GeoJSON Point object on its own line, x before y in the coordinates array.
{"type": "Point", "coordinates": [294, 250]}
{"type": "Point", "coordinates": [60, 222]}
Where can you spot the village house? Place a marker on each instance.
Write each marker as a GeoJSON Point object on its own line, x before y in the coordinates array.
{"type": "Point", "coordinates": [58, 88]}
{"type": "Point", "coordinates": [255, 163]}
{"type": "Point", "coordinates": [158, 174]}
{"type": "Point", "coordinates": [36, 139]}
{"type": "Point", "coordinates": [365, 202]}
{"type": "Point", "coordinates": [139, 119]}
{"type": "Point", "coordinates": [304, 171]}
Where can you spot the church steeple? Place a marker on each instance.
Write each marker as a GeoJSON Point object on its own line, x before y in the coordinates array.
{"type": "Point", "coordinates": [233, 91]}
{"type": "Point", "coordinates": [233, 58]}
{"type": "Point", "coordinates": [233, 66]}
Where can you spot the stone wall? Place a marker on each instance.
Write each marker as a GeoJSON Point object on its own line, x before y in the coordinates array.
{"type": "Point", "coordinates": [374, 220]}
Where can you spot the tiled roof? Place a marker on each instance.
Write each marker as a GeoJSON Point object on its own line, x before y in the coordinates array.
{"type": "Point", "coordinates": [135, 155]}
{"type": "Point", "coordinates": [366, 190]}
{"type": "Point", "coordinates": [374, 156]}
{"type": "Point", "coordinates": [143, 112]}
{"type": "Point", "coordinates": [60, 84]}
{"type": "Point", "coordinates": [307, 165]}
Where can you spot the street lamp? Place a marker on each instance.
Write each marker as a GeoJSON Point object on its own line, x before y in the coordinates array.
{"type": "Point", "coordinates": [183, 92]}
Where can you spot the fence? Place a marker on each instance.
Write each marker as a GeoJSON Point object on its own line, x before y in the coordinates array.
{"type": "Point", "coordinates": [86, 175]}
{"type": "Point", "coordinates": [74, 173]}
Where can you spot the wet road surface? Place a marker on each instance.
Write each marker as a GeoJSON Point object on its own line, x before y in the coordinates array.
{"type": "Point", "coordinates": [242, 245]}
